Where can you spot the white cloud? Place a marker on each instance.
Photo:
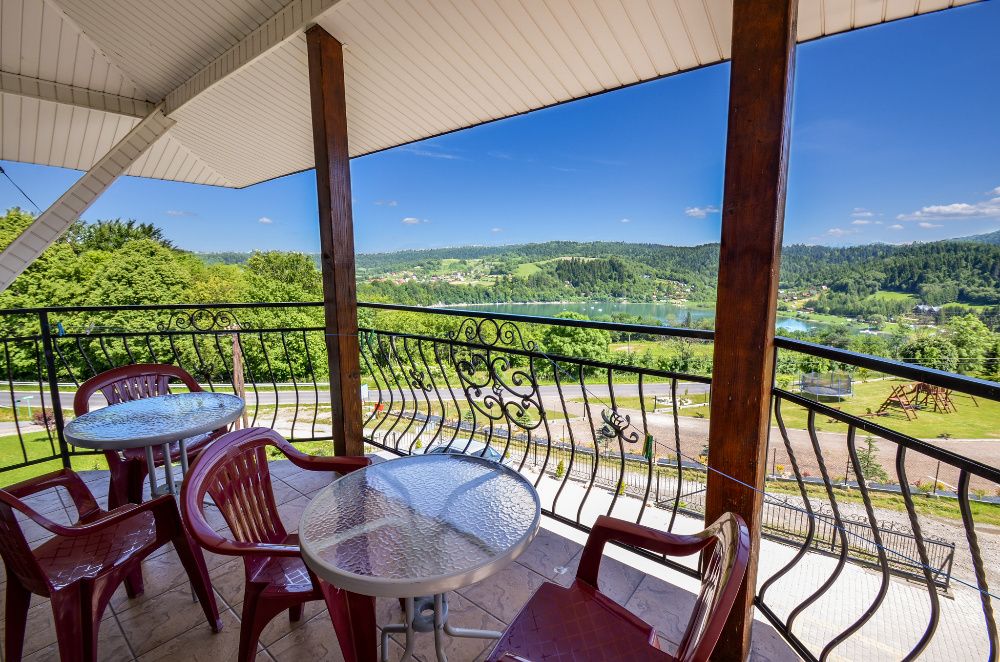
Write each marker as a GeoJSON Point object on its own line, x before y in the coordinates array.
{"type": "Point", "coordinates": [625, 220]}
{"type": "Point", "coordinates": [861, 212]}
{"type": "Point", "coordinates": [431, 151]}
{"type": "Point", "coordinates": [860, 221]}
{"type": "Point", "coordinates": [413, 220]}
{"type": "Point", "coordinates": [701, 212]}
{"type": "Point", "coordinates": [264, 220]}
{"type": "Point", "coordinates": [179, 213]}
{"type": "Point", "coordinates": [929, 226]}
{"type": "Point", "coordinates": [496, 230]}
{"type": "Point", "coordinates": [386, 203]}
{"type": "Point", "coordinates": [895, 226]}
{"type": "Point", "coordinates": [840, 232]}
{"type": "Point", "coordinates": [957, 210]}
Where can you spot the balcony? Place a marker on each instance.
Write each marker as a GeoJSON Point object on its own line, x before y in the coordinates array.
{"type": "Point", "coordinates": [857, 556]}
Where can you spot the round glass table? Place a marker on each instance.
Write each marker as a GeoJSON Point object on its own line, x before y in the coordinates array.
{"type": "Point", "coordinates": [419, 526]}
{"type": "Point", "coordinates": [155, 421]}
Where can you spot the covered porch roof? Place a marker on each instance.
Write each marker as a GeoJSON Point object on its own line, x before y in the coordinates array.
{"type": "Point", "coordinates": [76, 76]}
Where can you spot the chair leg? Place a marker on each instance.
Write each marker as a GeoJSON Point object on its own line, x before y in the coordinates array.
{"type": "Point", "coordinates": [133, 583]}
{"type": "Point", "coordinates": [137, 472]}
{"type": "Point", "coordinates": [353, 617]}
{"type": "Point", "coordinates": [18, 601]}
{"type": "Point", "coordinates": [76, 631]}
{"type": "Point", "coordinates": [295, 613]}
{"type": "Point", "coordinates": [194, 563]}
{"type": "Point", "coordinates": [256, 615]}
{"type": "Point", "coordinates": [118, 485]}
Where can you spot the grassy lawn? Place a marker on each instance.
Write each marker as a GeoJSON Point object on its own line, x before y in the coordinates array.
{"type": "Point", "coordinates": [982, 512]}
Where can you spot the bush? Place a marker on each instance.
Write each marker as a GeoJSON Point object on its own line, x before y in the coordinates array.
{"type": "Point", "coordinates": [621, 488]}
{"type": "Point", "coordinates": [45, 418]}
{"type": "Point", "coordinates": [418, 445]}
{"type": "Point", "coordinates": [560, 469]}
{"type": "Point", "coordinates": [780, 468]}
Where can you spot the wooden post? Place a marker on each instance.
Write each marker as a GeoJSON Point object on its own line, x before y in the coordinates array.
{"type": "Point", "coordinates": [336, 231]}
{"type": "Point", "coordinates": [760, 92]}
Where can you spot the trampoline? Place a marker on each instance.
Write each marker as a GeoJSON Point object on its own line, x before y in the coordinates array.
{"type": "Point", "coordinates": [827, 384]}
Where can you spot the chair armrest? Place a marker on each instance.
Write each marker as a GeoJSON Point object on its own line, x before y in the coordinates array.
{"type": "Point", "coordinates": [82, 497]}
{"type": "Point", "coordinates": [341, 464]}
{"type": "Point", "coordinates": [609, 529]}
{"type": "Point", "coordinates": [213, 542]}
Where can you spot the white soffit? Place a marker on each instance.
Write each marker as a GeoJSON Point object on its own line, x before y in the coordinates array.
{"type": "Point", "coordinates": [234, 72]}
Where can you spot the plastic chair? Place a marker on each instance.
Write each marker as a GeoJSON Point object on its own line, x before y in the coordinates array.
{"type": "Point", "coordinates": [582, 624]}
{"type": "Point", "coordinates": [234, 472]}
{"type": "Point", "coordinates": [132, 382]}
{"type": "Point", "coordinates": [81, 566]}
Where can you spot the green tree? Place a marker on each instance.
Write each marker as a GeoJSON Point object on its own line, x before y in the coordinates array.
{"type": "Point", "coordinates": [113, 234]}
{"type": "Point", "coordinates": [971, 339]}
{"type": "Point", "coordinates": [931, 351]}
{"type": "Point", "coordinates": [869, 465]}
{"type": "Point", "coordinates": [575, 341]}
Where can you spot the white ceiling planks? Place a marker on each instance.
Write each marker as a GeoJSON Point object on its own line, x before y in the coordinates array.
{"type": "Point", "coordinates": [234, 72]}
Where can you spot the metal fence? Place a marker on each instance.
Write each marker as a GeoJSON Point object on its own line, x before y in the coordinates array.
{"type": "Point", "coordinates": [595, 437]}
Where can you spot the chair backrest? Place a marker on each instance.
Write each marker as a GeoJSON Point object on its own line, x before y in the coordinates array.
{"type": "Point", "coordinates": [131, 382]}
{"type": "Point", "coordinates": [723, 568]}
{"type": "Point", "coordinates": [233, 470]}
{"type": "Point", "coordinates": [14, 547]}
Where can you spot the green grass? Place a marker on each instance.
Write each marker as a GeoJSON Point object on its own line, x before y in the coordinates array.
{"type": "Point", "coordinates": [982, 512]}
{"type": "Point", "coordinates": [527, 269]}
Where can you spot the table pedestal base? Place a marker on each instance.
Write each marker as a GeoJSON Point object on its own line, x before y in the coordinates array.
{"type": "Point", "coordinates": [417, 619]}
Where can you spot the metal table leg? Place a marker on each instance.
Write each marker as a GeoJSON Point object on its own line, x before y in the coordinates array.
{"type": "Point", "coordinates": [441, 627]}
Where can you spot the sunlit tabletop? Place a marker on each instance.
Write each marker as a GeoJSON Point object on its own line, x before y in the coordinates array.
{"type": "Point", "coordinates": [419, 525]}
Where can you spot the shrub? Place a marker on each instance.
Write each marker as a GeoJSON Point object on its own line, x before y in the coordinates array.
{"type": "Point", "coordinates": [780, 468]}
{"type": "Point", "coordinates": [980, 493]}
{"type": "Point", "coordinates": [560, 469]}
{"type": "Point", "coordinates": [418, 445]}
{"type": "Point", "coordinates": [45, 418]}
{"type": "Point", "coordinates": [621, 488]}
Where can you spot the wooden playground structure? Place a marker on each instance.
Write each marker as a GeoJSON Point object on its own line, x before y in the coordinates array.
{"type": "Point", "coordinates": [909, 398]}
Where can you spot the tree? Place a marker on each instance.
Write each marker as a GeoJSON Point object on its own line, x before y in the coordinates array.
{"type": "Point", "coordinates": [930, 351]}
{"type": "Point", "coordinates": [869, 465]}
{"type": "Point", "coordinates": [576, 342]}
{"type": "Point", "coordinates": [113, 234]}
{"type": "Point", "coordinates": [971, 339]}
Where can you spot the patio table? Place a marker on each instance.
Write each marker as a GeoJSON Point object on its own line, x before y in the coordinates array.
{"type": "Point", "coordinates": [419, 526]}
{"type": "Point", "coordinates": [155, 421]}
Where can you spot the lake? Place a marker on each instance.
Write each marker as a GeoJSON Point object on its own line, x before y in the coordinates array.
{"type": "Point", "coordinates": [668, 313]}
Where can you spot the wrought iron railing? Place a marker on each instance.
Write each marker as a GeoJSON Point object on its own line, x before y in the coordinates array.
{"type": "Point", "coordinates": [848, 557]}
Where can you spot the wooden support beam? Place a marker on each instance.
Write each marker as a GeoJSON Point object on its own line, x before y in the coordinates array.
{"type": "Point", "coordinates": [55, 220]}
{"type": "Point", "coordinates": [760, 92]}
{"type": "Point", "coordinates": [336, 231]}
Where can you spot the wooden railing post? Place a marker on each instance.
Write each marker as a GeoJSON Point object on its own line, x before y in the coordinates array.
{"type": "Point", "coordinates": [336, 230]}
{"type": "Point", "coordinates": [760, 91]}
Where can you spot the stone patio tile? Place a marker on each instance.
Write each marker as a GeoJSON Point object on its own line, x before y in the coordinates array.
{"type": "Point", "coordinates": [152, 623]}
{"type": "Point", "coordinates": [36, 534]}
{"type": "Point", "coordinates": [547, 552]}
{"type": "Point", "coordinates": [200, 644]}
{"type": "Point", "coordinates": [615, 579]}
{"type": "Point", "coordinates": [283, 469]}
{"type": "Point", "coordinates": [228, 581]}
{"type": "Point", "coordinates": [280, 626]}
{"type": "Point", "coordinates": [308, 482]}
{"type": "Point", "coordinates": [313, 641]}
{"type": "Point", "coordinates": [159, 575]}
{"type": "Point", "coordinates": [504, 593]}
{"type": "Point", "coordinates": [40, 630]}
{"type": "Point", "coordinates": [283, 492]}
{"type": "Point", "coordinates": [461, 613]}
{"type": "Point", "coordinates": [111, 646]}
{"type": "Point", "coordinates": [664, 606]}
{"type": "Point", "coordinates": [291, 512]}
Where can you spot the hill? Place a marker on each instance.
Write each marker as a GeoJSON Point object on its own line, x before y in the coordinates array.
{"type": "Point", "coordinates": [988, 238]}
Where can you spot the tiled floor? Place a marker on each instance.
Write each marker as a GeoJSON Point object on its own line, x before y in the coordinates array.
{"type": "Point", "coordinates": [163, 624]}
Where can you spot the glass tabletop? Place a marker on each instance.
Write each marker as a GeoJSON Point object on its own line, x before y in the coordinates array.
{"type": "Point", "coordinates": [419, 525]}
{"type": "Point", "coordinates": [152, 421]}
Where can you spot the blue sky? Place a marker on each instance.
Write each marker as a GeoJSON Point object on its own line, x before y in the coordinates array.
{"type": "Point", "coordinates": [895, 138]}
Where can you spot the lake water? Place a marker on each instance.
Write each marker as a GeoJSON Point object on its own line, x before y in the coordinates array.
{"type": "Point", "coordinates": [668, 313]}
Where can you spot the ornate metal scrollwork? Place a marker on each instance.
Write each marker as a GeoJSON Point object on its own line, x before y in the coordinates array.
{"type": "Point", "coordinates": [499, 398]}
{"type": "Point", "coordinates": [201, 319]}
{"type": "Point", "coordinates": [615, 425]}
{"type": "Point", "coordinates": [492, 333]}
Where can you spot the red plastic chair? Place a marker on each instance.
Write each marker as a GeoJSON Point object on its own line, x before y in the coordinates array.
{"type": "Point", "coordinates": [81, 566]}
{"type": "Point", "coordinates": [234, 472]}
{"type": "Point", "coordinates": [582, 624]}
{"type": "Point", "coordinates": [132, 382]}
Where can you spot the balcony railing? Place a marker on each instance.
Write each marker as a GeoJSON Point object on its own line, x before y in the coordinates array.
{"type": "Point", "coordinates": [858, 564]}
